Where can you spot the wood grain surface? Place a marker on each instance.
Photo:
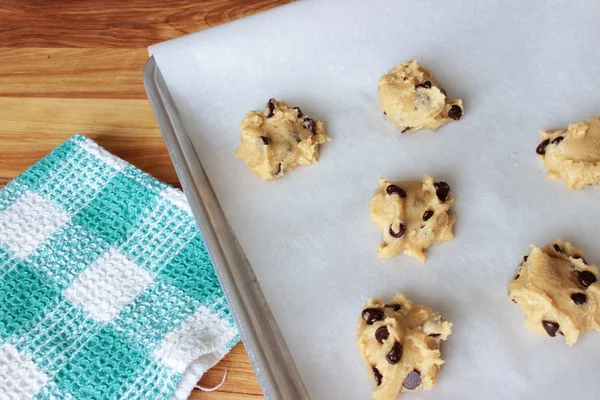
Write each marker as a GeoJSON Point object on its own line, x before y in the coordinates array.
{"type": "Point", "coordinates": [76, 67]}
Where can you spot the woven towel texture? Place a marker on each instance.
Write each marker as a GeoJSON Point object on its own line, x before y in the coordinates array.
{"type": "Point", "coordinates": [106, 288]}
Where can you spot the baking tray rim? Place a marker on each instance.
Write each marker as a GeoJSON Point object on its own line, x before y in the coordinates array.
{"type": "Point", "coordinates": [266, 347]}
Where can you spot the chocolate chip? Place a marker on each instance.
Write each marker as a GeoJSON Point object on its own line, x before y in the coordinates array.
{"type": "Point", "coordinates": [541, 149]}
{"type": "Point", "coordinates": [310, 125]}
{"type": "Point", "coordinates": [412, 380]}
{"type": "Point", "coordinates": [579, 298]}
{"type": "Point", "coordinates": [550, 327]}
{"type": "Point", "coordinates": [277, 169]}
{"type": "Point", "coordinates": [372, 315]}
{"type": "Point", "coordinates": [406, 129]}
{"type": "Point", "coordinates": [558, 249]}
{"type": "Point", "coordinates": [395, 354]}
{"type": "Point", "coordinates": [514, 301]}
{"type": "Point", "coordinates": [426, 85]}
{"type": "Point", "coordinates": [377, 376]}
{"type": "Point", "coordinates": [443, 92]}
{"type": "Point", "coordinates": [586, 278]}
{"type": "Point", "coordinates": [525, 258]}
{"type": "Point", "coordinates": [557, 139]}
{"type": "Point", "coordinates": [271, 108]}
{"type": "Point", "coordinates": [384, 113]}
{"type": "Point", "coordinates": [300, 113]}
{"type": "Point", "coordinates": [455, 112]}
{"type": "Point", "coordinates": [581, 258]}
{"type": "Point", "coordinates": [427, 214]}
{"type": "Point", "coordinates": [393, 189]}
{"type": "Point", "coordinates": [435, 334]}
{"type": "Point", "coordinates": [442, 189]}
{"type": "Point", "coordinates": [517, 276]}
{"type": "Point", "coordinates": [265, 140]}
{"type": "Point", "coordinates": [381, 334]}
{"type": "Point", "coordinates": [396, 307]}
{"type": "Point", "coordinates": [400, 232]}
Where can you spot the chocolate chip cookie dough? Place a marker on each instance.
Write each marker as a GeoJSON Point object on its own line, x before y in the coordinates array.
{"type": "Point", "coordinates": [557, 290]}
{"type": "Point", "coordinates": [279, 139]}
{"type": "Point", "coordinates": [412, 99]}
{"type": "Point", "coordinates": [400, 343]}
{"type": "Point", "coordinates": [573, 155]}
{"type": "Point", "coordinates": [412, 216]}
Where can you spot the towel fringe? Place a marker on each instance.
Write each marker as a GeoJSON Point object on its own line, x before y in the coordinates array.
{"type": "Point", "coordinates": [213, 388]}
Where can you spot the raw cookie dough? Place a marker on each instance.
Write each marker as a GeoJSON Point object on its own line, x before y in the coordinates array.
{"type": "Point", "coordinates": [558, 292]}
{"type": "Point", "coordinates": [412, 99]}
{"type": "Point", "coordinates": [279, 139]}
{"type": "Point", "coordinates": [573, 155]}
{"type": "Point", "coordinates": [400, 343]}
{"type": "Point", "coordinates": [412, 216]}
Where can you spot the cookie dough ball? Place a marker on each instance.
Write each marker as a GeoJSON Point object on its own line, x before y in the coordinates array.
{"type": "Point", "coordinates": [400, 343]}
{"type": "Point", "coordinates": [412, 216]}
{"type": "Point", "coordinates": [412, 99]}
{"type": "Point", "coordinates": [557, 290]}
{"type": "Point", "coordinates": [279, 139]}
{"type": "Point", "coordinates": [573, 155]}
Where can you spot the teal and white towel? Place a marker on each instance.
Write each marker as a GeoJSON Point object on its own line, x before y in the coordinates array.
{"type": "Point", "coordinates": [106, 288]}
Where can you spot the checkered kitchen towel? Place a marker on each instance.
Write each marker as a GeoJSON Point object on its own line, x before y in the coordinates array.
{"type": "Point", "coordinates": [106, 287]}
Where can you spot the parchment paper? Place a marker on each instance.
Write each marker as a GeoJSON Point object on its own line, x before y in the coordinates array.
{"type": "Point", "coordinates": [519, 66]}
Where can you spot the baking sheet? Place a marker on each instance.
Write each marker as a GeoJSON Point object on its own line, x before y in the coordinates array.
{"type": "Point", "coordinates": [518, 66]}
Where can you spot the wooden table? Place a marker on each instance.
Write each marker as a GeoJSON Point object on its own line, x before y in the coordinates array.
{"type": "Point", "coordinates": [76, 67]}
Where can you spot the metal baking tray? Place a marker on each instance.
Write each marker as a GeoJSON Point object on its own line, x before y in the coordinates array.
{"type": "Point", "coordinates": [309, 238]}
{"type": "Point", "coordinates": [268, 352]}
